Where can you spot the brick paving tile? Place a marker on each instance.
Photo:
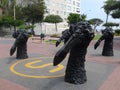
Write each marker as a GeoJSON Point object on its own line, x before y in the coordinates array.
{"type": "Point", "coordinates": [7, 85]}
{"type": "Point", "coordinates": [113, 81]}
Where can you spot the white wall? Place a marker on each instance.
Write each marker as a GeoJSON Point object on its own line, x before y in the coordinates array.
{"type": "Point", "coordinates": [48, 28]}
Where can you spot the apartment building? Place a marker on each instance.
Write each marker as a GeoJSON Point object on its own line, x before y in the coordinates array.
{"type": "Point", "coordinates": [72, 6]}
{"type": "Point", "coordinates": [62, 8]}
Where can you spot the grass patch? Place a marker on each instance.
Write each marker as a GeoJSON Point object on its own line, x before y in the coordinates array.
{"type": "Point", "coordinates": [50, 41]}
{"type": "Point", "coordinates": [54, 41]}
{"type": "Point", "coordinates": [97, 37]}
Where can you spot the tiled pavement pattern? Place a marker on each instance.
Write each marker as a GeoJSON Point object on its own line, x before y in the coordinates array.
{"type": "Point", "coordinates": [110, 82]}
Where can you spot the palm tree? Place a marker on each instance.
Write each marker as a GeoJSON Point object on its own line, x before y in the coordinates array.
{"type": "Point", "coordinates": [106, 7]}
{"type": "Point", "coordinates": [12, 6]}
{"type": "Point", "coordinates": [4, 4]}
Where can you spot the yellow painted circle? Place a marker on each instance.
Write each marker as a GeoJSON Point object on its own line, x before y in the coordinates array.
{"type": "Point", "coordinates": [12, 69]}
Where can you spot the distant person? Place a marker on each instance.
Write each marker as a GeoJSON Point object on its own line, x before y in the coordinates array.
{"type": "Point", "coordinates": [42, 36]}
{"type": "Point", "coordinates": [32, 31]}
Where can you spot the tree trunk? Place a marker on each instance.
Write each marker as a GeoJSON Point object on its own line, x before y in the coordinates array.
{"type": "Point", "coordinates": [94, 28]}
{"type": "Point", "coordinates": [40, 27]}
{"type": "Point", "coordinates": [56, 27]}
{"type": "Point", "coordinates": [14, 28]}
{"type": "Point", "coordinates": [33, 29]}
{"type": "Point", "coordinates": [107, 18]}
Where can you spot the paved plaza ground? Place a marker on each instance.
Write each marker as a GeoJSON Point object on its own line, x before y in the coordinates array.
{"type": "Point", "coordinates": [38, 73]}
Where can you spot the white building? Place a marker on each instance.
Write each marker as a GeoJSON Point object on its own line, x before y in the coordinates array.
{"type": "Point", "coordinates": [62, 8]}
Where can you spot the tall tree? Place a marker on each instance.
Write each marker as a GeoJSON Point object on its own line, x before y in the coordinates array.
{"type": "Point", "coordinates": [115, 8]}
{"type": "Point", "coordinates": [106, 7]}
{"type": "Point", "coordinates": [53, 19]}
{"type": "Point", "coordinates": [95, 22]}
{"type": "Point", "coordinates": [74, 18]}
{"type": "Point", "coordinates": [34, 11]}
{"type": "Point", "coordinates": [4, 4]}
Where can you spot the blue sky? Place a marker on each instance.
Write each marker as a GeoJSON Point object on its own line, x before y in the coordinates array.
{"type": "Point", "coordinates": [93, 9]}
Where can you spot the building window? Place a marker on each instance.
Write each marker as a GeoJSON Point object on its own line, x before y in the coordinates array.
{"type": "Point", "coordinates": [57, 12]}
{"type": "Point", "coordinates": [64, 13]}
{"type": "Point", "coordinates": [69, 1]}
{"type": "Point", "coordinates": [74, 9]}
{"type": "Point", "coordinates": [78, 10]}
{"type": "Point", "coordinates": [73, 2]}
{"type": "Point", "coordinates": [78, 4]}
{"type": "Point", "coordinates": [61, 12]}
{"type": "Point", "coordinates": [67, 13]}
{"type": "Point", "coordinates": [69, 8]}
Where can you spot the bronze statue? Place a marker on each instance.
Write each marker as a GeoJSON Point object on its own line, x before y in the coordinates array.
{"type": "Point", "coordinates": [20, 44]}
{"type": "Point", "coordinates": [107, 36]}
{"type": "Point", "coordinates": [77, 39]}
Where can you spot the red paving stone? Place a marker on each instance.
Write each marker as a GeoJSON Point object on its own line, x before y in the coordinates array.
{"type": "Point", "coordinates": [106, 60]}
{"type": "Point", "coordinates": [113, 81]}
{"type": "Point", "coordinates": [41, 48]}
{"type": "Point", "coordinates": [4, 50]}
{"type": "Point", "coordinates": [117, 44]}
{"type": "Point", "coordinates": [7, 85]}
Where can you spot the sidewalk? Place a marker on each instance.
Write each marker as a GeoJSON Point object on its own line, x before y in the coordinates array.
{"type": "Point", "coordinates": [102, 72]}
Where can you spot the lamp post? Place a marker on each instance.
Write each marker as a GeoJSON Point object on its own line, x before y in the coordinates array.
{"type": "Point", "coordinates": [14, 11]}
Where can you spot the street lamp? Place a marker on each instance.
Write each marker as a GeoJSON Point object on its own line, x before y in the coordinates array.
{"type": "Point", "coordinates": [14, 11]}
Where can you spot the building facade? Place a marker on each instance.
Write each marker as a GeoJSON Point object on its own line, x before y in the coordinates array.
{"type": "Point", "coordinates": [62, 8]}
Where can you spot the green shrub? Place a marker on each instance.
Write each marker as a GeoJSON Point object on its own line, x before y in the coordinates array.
{"type": "Point", "coordinates": [55, 35]}
{"type": "Point", "coordinates": [97, 36]}
{"type": "Point", "coordinates": [26, 27]}
{"type": "Point", "coordinates": [117, 32]}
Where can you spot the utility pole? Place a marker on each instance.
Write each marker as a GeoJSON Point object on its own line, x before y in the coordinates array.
{"type": "Point", "coordinates": [14, 11]}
